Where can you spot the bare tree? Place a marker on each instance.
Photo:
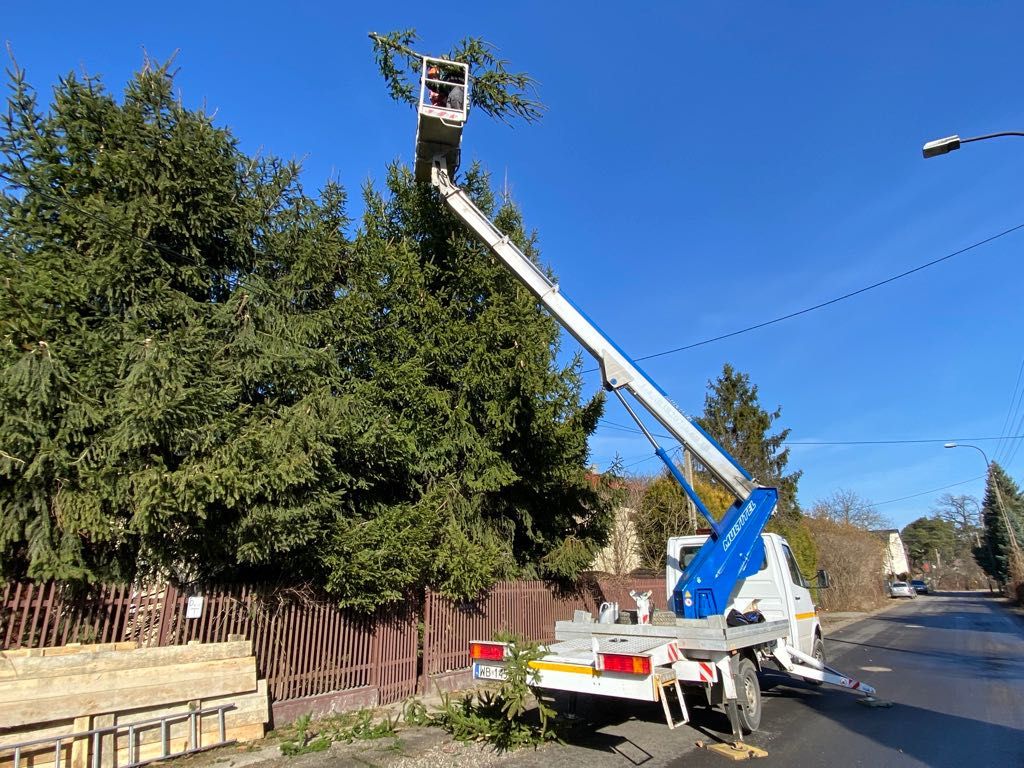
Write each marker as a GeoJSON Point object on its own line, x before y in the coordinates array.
{"type": "Point", "coordinates": [622, 554]}
{"type": "Point", "coordinates": [848, 508]}
{"type": "Point", "coordinates": [962, 511]}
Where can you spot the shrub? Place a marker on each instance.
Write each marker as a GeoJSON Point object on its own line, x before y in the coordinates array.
{"type": "Point", "coordinates": [854, 559]}
{"type": "Point", "coordinates": [502, 717]}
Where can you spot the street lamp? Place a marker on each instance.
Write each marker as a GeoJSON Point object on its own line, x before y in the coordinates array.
{"type": "Point", "coordinates": [948, 144]}
{"type": "Point", "coordinates": [1017, 571]}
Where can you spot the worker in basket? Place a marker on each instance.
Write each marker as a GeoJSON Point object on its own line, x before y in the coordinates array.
{"type": "Point", "coordinates": [446, 88]}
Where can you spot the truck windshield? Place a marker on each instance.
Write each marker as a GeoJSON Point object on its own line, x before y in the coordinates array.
{"type": "Point", "coordinates": [689, 551]}
{"type": "Point", "coordinates": [686, 554]}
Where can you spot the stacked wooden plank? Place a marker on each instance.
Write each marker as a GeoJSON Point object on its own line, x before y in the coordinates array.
{"type": "Point", "coordinates": [47, 692]}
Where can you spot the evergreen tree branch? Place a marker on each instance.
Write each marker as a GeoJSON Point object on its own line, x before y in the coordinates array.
{"type": "Point", "coordinates": [499, 93]}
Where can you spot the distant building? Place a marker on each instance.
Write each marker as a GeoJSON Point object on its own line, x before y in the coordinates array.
{"type": "Point", "coordinates": [895, 561]}
{"type": "Point", "coordinates": [621, 555]}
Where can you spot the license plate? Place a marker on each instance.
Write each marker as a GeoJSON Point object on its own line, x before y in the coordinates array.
{"type": "Point", "coordinates": [488, 672]}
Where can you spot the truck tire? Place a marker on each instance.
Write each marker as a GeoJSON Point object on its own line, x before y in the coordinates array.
{"type": "Point", "coordinates": [748, 690]}
{"type": "Point", "coordinates": [818, 652]}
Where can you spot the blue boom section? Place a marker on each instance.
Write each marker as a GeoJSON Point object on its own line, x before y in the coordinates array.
{"type": "Point", "coordinates": [708, 581]}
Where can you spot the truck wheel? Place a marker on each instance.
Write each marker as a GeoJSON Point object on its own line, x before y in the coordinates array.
{"type": "Point", "coordinates": [818, 652]}
{"type": "Point", "coordinates": [748, 689]}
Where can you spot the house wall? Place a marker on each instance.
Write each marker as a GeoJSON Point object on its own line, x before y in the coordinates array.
{"type": "Point", "coordinates": [620, 556]}
{"type": "Point", "coordinates": [896, 561]}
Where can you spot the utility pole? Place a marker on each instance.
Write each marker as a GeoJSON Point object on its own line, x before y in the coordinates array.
{"type": "Point", "coordinates": [691, 508]}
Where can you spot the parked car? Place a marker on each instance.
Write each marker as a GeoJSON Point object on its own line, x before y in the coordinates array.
{"type": "Point", "coordinates": [920, 586]}
{"type": "Point", "coordinates": [901, 589]}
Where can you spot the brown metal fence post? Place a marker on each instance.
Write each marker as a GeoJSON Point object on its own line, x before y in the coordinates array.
{"type": "Point", "coordinates": [375, 653]}
{"type": "Point", "coordinates": [425, 648]}
{"type": "Point", "coordinates": [170, 599]}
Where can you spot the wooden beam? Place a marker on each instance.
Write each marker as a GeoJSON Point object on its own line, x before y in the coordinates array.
{"type": "Point", "coordinates": [27, 701]}
{"type": "Point", "coordinates": [15, 664]}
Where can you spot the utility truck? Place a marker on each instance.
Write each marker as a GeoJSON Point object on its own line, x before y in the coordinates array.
{"type": "Point", "coordinates": [735, 570]}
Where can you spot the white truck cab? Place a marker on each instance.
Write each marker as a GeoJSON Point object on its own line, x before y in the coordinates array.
{"type": "Point", "coordinates": [778, 590]}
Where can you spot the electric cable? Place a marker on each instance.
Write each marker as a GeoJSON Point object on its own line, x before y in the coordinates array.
{"type": "Point", "coordinates": [925, 493]}
{"type": "Point", "coordinates": [625, 428]}
{"type": "Point", "coordinates": [829, 302]}
{"type": "Point", "coordinates": [1011, 412]}
{"type": "Point", "coordinates": [1012, 454]}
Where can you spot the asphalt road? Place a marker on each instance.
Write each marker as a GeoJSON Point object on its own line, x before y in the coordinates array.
{"type": "Point", "coordinates": [952, 664]}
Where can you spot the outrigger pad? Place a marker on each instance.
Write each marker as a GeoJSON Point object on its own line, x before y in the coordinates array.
{"type": "Point", "coordinates": [871, 701]}
{"type": "Point", "coordinates": [734, 750]}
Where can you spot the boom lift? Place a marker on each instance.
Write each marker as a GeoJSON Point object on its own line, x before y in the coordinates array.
{"type": "Point", "coordinates": [734, 548]}
{"type": "Point", "coordinates": [641, 661]}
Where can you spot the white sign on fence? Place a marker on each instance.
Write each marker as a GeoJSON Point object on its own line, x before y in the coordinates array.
{"type": "Point", "coordinates": [194, 609]}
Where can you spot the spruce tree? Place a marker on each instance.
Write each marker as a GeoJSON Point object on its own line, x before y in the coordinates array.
{"type": "Point", "coordinates": [497, 432]}
{"type": "Point", "coordinates": [204, 374]}
{"type": "Point", "coordinates": [121, 231]}
{"type": "Point", "coordinates": [734, 416]}
{"type": "Point", "coordinates": [1003, 503]}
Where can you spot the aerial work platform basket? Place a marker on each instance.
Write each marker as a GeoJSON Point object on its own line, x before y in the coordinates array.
{"type": "Point", "coordinates": [443, 107]}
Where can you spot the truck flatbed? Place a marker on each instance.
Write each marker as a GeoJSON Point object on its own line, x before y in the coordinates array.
{"type": "Point", "coordinates": [711, 634]}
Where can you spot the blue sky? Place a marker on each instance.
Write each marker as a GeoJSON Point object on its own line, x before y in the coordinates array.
{"type": "Point", "coordinates": [701, 168]}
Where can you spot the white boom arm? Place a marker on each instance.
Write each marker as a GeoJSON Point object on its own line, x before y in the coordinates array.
{"type": "Point", "coordinates": [617, 369]}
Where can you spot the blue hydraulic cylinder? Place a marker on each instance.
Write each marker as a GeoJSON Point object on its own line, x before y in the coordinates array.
{"type": "Point", "coordinates": [674, 470]}
{"type": "Point", "coordinates": [707, 583]}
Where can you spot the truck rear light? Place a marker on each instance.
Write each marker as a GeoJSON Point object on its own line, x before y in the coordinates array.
{"type": "Point", "coordinates": [487, 651]}
{"type": "Point", "coordinates": [618, 662]}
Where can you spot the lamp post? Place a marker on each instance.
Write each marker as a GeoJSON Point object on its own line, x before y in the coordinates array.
{"type": "Point", "coordinates": [948, 144]}
{"type": "Point", "coordinates": [1016, 571]}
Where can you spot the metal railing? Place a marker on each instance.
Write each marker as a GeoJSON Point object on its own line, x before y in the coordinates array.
{"type": "Point", "coordinates": [96, 736]}
{"type": "Point", "coordinates": [450, 75]}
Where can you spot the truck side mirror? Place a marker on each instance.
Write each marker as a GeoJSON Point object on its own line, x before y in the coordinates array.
{"type": "Point", "coordinates": [823, 580]}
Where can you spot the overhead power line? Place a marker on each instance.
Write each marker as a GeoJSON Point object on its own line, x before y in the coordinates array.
{"type": "Point", "coordinates": [925, 493]}
{"type": "Point", "coordinates": [835, 300]}
{"type": "Point", "coordinates": [651, 457]}
{"type": "Point", "coordinates": [900, 442]}
{"type": "Point", "coordinates": [876, 503]}
{"type": "Point", "coordinates": [67, 202]}
{"type": "Point", "coordinates": [1008, 451]}
{"type": "Point", "coordinates": [625, 428]}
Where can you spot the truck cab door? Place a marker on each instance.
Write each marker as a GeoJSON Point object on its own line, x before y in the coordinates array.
{"type": "Point", "coordinates": [803, 614]}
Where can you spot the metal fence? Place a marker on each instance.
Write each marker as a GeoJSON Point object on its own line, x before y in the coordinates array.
{"type": "Point", "coordinates": [51, 614]}
{"type": "Point", "coordinates": [526, 608]}
{"type": "Point", "coordinates": [305, 646]}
